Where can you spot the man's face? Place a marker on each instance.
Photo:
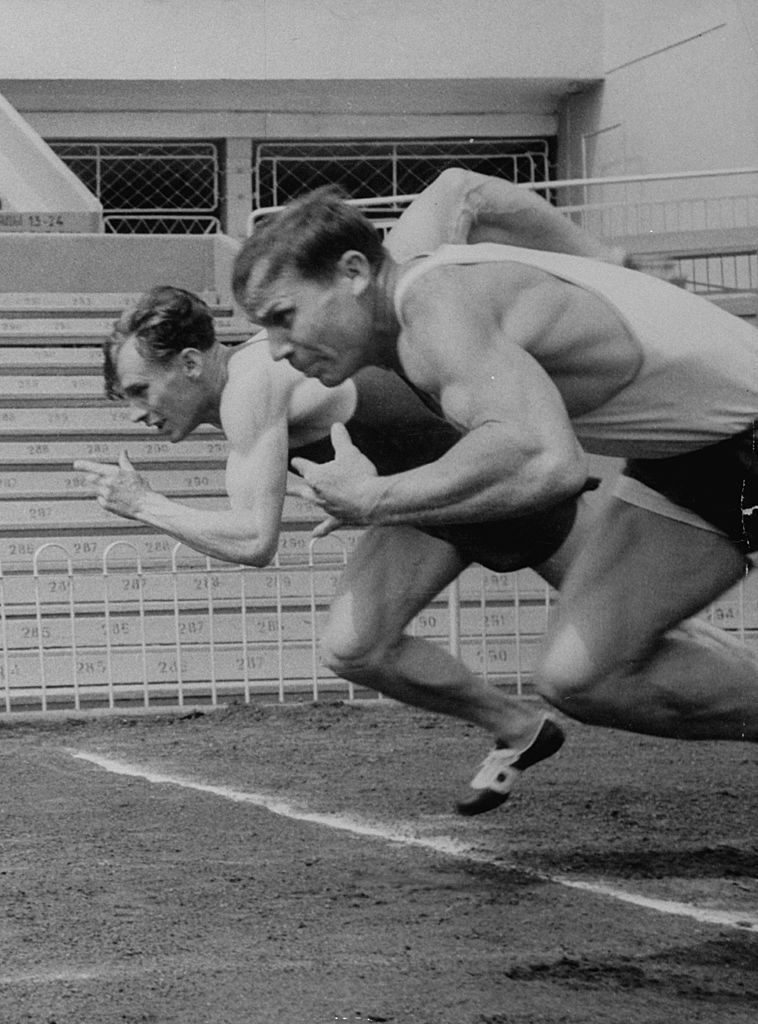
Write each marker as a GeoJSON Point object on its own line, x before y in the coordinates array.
{"type": "Point", "coordinates": [322, 328]}
{"type": "Point", "coordinates": [160, 395]}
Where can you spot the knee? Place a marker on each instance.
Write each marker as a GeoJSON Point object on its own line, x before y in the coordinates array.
{"type": "Point", "coordinates": [350, 655]}
{"type": "Point", "coordinates": [567, 678]}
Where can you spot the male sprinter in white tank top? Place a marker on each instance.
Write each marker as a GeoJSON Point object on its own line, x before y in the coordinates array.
{"type": "Point", "coordinates": [537, 357]}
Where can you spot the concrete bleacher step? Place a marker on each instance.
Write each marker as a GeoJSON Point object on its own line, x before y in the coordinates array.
{"type": "Point", "coordinates": [53, 483]}
{"type": "Point", "coordinates": [261, 624]}
{"type": "Point", "coordinates": [50, 359]}
{"type": "Point", "coordinates": [74, 330]}
{"type": "Point", "coordinates": [105, 418]}
{"type": "Point", "coordinates": [85, 514]}
{"type": "Point", "coordinates": [717, 263]}
{"type": "Point", "coordinates": [51, 387]}
{"type": "Point", "coordinates": [86, 304]}
{"type": "Point", "coordinates": [98, 668]}
{"type": "Point", "coordinates": [96, 672]}
{"type": "Point", "coordinates": [142, 452]}
{"type": "Point", "coordinates": [743, 304]}
{"type": "Point", "coordinates": [128, 545]}
{"type": "Point", "coordinates": [694, 243]}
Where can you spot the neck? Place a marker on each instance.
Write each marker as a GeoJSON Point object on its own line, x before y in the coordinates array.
{"type": "Point", "coordinates": [385, 323]}
{"type": "Point", "coordinates": [216, 377]}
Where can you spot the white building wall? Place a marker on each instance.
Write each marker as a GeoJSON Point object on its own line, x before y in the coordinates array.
{"type": "Point", "coordinates": [299, 39]}
{"type": "Point", "coordinates": [680, 91]}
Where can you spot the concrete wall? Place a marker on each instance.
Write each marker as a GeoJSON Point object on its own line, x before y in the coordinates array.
{"type": "Point", "coordinates": [274, 69]}
{"type": "Point", "coordinates": [679, 92]}
{"type": "Point", "coordinates": [314, 109]}
{"type": "Point", "coordinates": [115, 263]}
{"type": "Point", "coordinates": [32, 177]}
{"type": "Point", "coordinates": [268, 40]}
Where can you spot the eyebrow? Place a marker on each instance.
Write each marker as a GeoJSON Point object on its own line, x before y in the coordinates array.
{"type": "Point", "coordinates": [259, 311]}
{"type": "Point", "coordinates": [267, 314]}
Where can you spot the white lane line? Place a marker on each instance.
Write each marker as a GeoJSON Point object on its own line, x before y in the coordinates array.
{"type": "Point", "coordinates": [342, 823]}
{"type": "Point", "coordinates": [438, 844]}
{"type": "Point", "coordinates": [707, 915]}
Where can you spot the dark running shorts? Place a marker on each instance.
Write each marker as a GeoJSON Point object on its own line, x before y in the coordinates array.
{"type": "Point", "coordinates": [506, 545]}
{"type": "Point", "coordinates": [719, 483]}
{"type": "Point", "coordinates": [510, 544]}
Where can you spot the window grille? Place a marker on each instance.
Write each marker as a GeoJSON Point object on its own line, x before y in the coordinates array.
{"type": "Point", "coordinates": [150, 187]}
{"type": "Point", "coordinates": [284, 170]}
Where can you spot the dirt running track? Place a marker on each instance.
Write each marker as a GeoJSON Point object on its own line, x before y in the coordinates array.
{"type": "Point", "coordinates": [131, 899]}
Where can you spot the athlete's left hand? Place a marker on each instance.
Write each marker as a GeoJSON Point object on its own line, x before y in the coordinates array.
{"type": "Point", "coordinates": [342, 488]}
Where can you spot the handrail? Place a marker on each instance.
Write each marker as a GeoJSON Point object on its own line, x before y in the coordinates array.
{"type": "Point", "coordinates": [399, 201]}
{"type": "Point", "coordinates": [634, 178]}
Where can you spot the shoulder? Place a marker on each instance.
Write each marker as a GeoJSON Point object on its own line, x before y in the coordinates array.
{"type": "Point", "coordinates": [486, 275]}
{"type": "Point", "coordinates": [257, 392]}
{"type": "Point", "coordinates": [450, 283]}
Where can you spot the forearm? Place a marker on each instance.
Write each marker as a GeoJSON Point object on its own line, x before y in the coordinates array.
{"type": "Point", "coordinates": [227, 534]}
{"type": "Point", "coordinates": [468, 484]}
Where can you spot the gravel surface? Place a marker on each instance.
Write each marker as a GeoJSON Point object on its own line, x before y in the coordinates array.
{"type": "Point", "coordinates": [130, 900]}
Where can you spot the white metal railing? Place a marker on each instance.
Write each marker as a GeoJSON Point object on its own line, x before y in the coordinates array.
{"type": "Point", "coordinates": [284, 169]}
{"type": "Point", "coordinates": [78, 635]}
{"type": "Point", "coordinates": [186, 630]}
{"type": "Point", "coordinates": [641, 204]}
{"type": "Point", "coordinates": [631, 205]}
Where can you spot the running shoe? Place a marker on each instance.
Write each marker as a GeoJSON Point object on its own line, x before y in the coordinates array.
{"type": "Point", "coordinates": [501, 768]}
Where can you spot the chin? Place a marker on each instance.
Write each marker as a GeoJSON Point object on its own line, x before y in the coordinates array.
{"type": "Point", "coordinates": [332, 378]}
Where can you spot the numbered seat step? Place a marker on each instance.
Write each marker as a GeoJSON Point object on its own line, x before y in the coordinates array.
{"type": "Point", "coordinates": [77, 330]}
{"type": "Point", "coordinates": [86, 514]}
{"type": "Point", "coordinates": [85, 304]}
{"type": "Point", "coordinates": [143, 453]}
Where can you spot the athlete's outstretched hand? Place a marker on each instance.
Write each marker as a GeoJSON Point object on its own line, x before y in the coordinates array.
{"type": "Point", "coordinates": [340, 487]}
{"type": "Point", "coordinates": [120, 488]}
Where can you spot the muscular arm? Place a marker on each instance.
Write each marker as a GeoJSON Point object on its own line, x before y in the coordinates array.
{"type": "Point", "coordinates": [255, 422]}
{"type": "Point", "coordinates": [518, 453]}
{"type": "Point", "coordinates": [463, 206]}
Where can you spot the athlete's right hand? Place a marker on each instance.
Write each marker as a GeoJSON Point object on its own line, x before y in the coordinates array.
{"type": "Point", "coordinates": [298, 488]}
{"type": "Point", "coordinates": [119, 488]}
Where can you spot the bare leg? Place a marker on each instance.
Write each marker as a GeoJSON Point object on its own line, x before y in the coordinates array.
{"type": "Point", "coordinates": [393, 573]}
{"type": "Point", "coordinates": [620, 655]}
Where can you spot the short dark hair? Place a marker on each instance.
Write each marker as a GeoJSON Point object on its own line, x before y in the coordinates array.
{"type": "Point", "coordinates": [310, 234]}
{"type": "Point", "coordinates": [164, 321]}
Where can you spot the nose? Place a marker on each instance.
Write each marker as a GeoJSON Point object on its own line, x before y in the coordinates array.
{"type": "Point", "coordinates": [137, 414]}
{"type": "Point", "coordinates": [279, 344]}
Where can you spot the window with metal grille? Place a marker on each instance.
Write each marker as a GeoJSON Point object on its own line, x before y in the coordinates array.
{"type": "Point", "coordinates": [284, 170]}
{"type": "Point", "coordinates": [150, 187]}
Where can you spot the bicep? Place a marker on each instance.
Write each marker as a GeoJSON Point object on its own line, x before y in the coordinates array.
{"type": "Point", "coordinates": [511, 390]}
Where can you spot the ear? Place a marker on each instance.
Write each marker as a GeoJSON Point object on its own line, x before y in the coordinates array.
{"type": "Point", "coordinates": [191, 360]}
{"type": "Point", "coordinates": [356, 268]}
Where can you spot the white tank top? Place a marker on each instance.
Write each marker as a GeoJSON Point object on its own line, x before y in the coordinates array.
{"type": "Point", "coordinates": [698, 378]}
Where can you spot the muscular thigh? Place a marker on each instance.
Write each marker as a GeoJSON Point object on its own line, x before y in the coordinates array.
{"type": "Point", "coordinates": [392, 574]}
{"type": "Point", "coordinates": [638, 575]}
